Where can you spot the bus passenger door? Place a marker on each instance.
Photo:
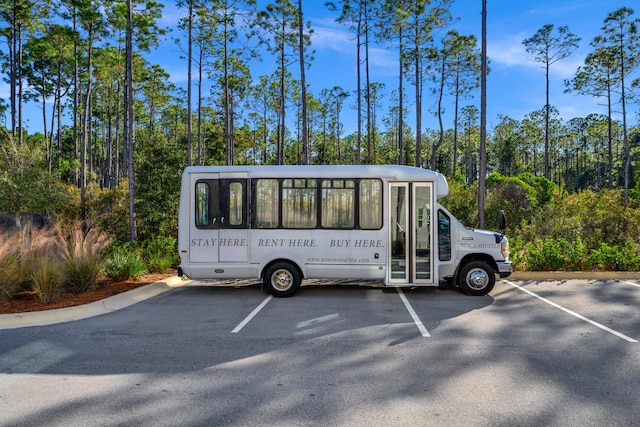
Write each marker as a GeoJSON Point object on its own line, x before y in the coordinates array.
{"type": "Point", "coordinates": [410, 233]}
{"type": "Point", "coordinates": [233, 220]}
{"type": "Point", "coordinates": [219, 232]}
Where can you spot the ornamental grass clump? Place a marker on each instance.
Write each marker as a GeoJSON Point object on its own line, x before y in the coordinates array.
{"type": "Point", "coordinates": [27, 258]}
{"type": "Point", "coordinates": [10, 282]}
{"type": "Point", "coordinates": [49, 260]}
{"type": "Point", "coordinates": [40, 261]}
{"type": "Point", "coordinates": [82, 253]}
{"type": "Point", "coordinates": [10, 278]}
{"type": "Point", "coordinates": [46, 276]}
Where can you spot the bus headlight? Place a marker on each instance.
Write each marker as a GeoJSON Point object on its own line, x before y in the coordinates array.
{"type": "Point", "coordinates": [504, 247]}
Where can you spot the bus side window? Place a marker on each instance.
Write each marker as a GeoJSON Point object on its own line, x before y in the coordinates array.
{"type": "Point", "coordinates": [444, 236]}
{"type": "Point", "coordinates": [235, 203]}
{"type": "Point", "coordinates": [338, 198]}
{"type": "Point", "coordinates": [299, 203]}
{"type": "Point", "coordinates": [202, 204]}
{"type": "Point", "coordinates": [370, 204]}
{"type": "Point", "coordinates": [268, 200]}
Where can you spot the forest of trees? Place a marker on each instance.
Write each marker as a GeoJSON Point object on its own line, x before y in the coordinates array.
{"type": "Point", "coordinates": [115, 133]}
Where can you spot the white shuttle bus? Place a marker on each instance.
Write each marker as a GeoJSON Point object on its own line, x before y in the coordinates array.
{"type": "Point", "coordinates": [283, 224]}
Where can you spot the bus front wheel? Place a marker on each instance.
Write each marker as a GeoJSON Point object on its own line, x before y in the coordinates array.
{"type": "Point", "coordinates": [282, 279]}
{"type": "Point", "coordinates": [476, 278]}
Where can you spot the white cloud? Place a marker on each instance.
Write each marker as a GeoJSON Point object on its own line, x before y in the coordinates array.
{"type": "Point", "coordinates": [337, 38]}
{"type": "Point", "coordinates": [510, 52]}
{"type": "Point", "coordinates": [332, 38]}
{"type": "Point", "coordinates": [171, 15]}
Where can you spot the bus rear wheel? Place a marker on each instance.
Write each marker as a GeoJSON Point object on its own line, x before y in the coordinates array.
{"type": "Point", "coordinates": [282, 279]}
{"type": "Point", "coordinates": [476, 278]}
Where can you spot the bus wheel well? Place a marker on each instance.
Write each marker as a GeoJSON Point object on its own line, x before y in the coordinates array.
{"type": "Point", "coordinates": [279, 260]}
{"type": "Point", "coordinates": [476, 257]}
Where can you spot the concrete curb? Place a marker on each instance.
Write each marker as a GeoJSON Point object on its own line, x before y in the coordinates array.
{"type": "Point", "coordinates": [574, 275]}
{"type": "Point", "coordinates": [107, 305]}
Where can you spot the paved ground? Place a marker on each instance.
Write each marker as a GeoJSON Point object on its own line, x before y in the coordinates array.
{"type": "Point", "coordinates": [534, 352]}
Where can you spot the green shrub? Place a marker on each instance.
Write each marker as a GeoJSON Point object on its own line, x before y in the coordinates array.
{"type": "Point", "coordinates": [594, 217]}
{"type": "Point", "coordinates": [615, 258]}
{"type": "Point", "coordinates": [161, 253]}
{"type": "Point", "coordinates": [517, 253]}
{"type": "Point", "coordinates": [577, 257]}
{"type": "Point", "coordinates": [462, 201]}
{"type": "Point", "coordinates": [124, 265]}
{"type": "Point", "coordinates": [159, 264]}
{"type": "Point", "coordinates": [554, 255]}
{"type": "Point", "coordinates": [545, 255]}
{"type": "Point", "coordinates": [522, 198]}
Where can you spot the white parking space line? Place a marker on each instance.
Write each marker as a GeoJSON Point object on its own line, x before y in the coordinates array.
{"type": "Point", "coordinates": [251, 315]}
{"type": "Point", "coordinates": [630, 283]}
{"type": "Point", "coordinates": [573, 313]}
{"type": "Point", "coordinates": [413, 314]}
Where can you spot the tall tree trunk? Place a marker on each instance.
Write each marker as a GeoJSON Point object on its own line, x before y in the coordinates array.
{"type": "Point", "coordinates": [625, 135]}
{"type": "Point", "coordinates": [455, 125]}
{"type": "Point", "coordinates": [48, 145]}
{"type": "Point", "coordinates": [117, 160]}
{"type": "Point", "coordinates": [20, 84]}
{"type": "Point", "coordinates": [200, 145]}
{"type": "Point", "coordinates": [12, 43]}
{"type": "Point", "coordinates": [547, 108]}
{"type": "Point", "coordinates": [59, 116]}
{"type": "Point", "coordinates": [359, 90]}
{"type": "Point", "coordinates": [228, 111]}
{"type": "Point", "coordinates": [400, 106]}
{"type": "Point", "coordinates": [303, 84]}
{"type": "Point", "coordinates": [418, 78]}
{"type": "Point", "coordinates": [609, 140]}
{"type": "Point", "coordinates": [483, 119]}
{"type": "Point", "coordinates": [281, 119]}
{"type": "Point", "coordinates": [129, 123]}
{"type": "Point", "coordinates": [109, 166]}
{"type": "Point", "coordinates": [76, 101]}
{"type": "Point", "coordinates": [189, 113]}
{"type": "Point", "coordinates": [85, 127]}
{"type": "Point", "coordinates": [368, 87]}
{"type": "Point", "coordinates": [437, 145]}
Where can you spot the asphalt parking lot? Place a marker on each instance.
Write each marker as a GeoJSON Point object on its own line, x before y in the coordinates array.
{"type": "Point", "coordinates": [543, 352]}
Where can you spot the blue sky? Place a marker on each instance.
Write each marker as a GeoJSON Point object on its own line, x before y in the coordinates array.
{"type": "Point", "coordinates": [515, 83]}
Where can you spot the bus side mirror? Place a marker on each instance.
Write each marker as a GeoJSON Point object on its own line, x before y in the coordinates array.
{"type": "Point", "coordinates": [502, 225]}
{"type": "Point", "coordinates": [502, 220]}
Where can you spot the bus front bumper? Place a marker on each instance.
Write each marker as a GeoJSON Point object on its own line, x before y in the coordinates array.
{"type": "Point", "coordinates": [504, 269]}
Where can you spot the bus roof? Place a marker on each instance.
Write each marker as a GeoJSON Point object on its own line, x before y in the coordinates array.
{"type": "Point", "coordinates": [386, 172]}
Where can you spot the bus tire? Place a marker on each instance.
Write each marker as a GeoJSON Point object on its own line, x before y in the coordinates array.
{"type": "Point", "coordinates": [282, 279]}
{"type": "Point", "coordinates": [476, 278]}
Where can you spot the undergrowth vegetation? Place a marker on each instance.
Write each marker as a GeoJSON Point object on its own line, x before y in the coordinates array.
{"type": "Point", "coordinates": [49, 261]}
{"type": "Point", "coordinates": [549, 229]}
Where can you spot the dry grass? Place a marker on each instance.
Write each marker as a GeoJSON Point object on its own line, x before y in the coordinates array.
{"type": "Point", "coordinates": [82, 254]}
{"type": "Point", "coordinates": [46, 260]}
